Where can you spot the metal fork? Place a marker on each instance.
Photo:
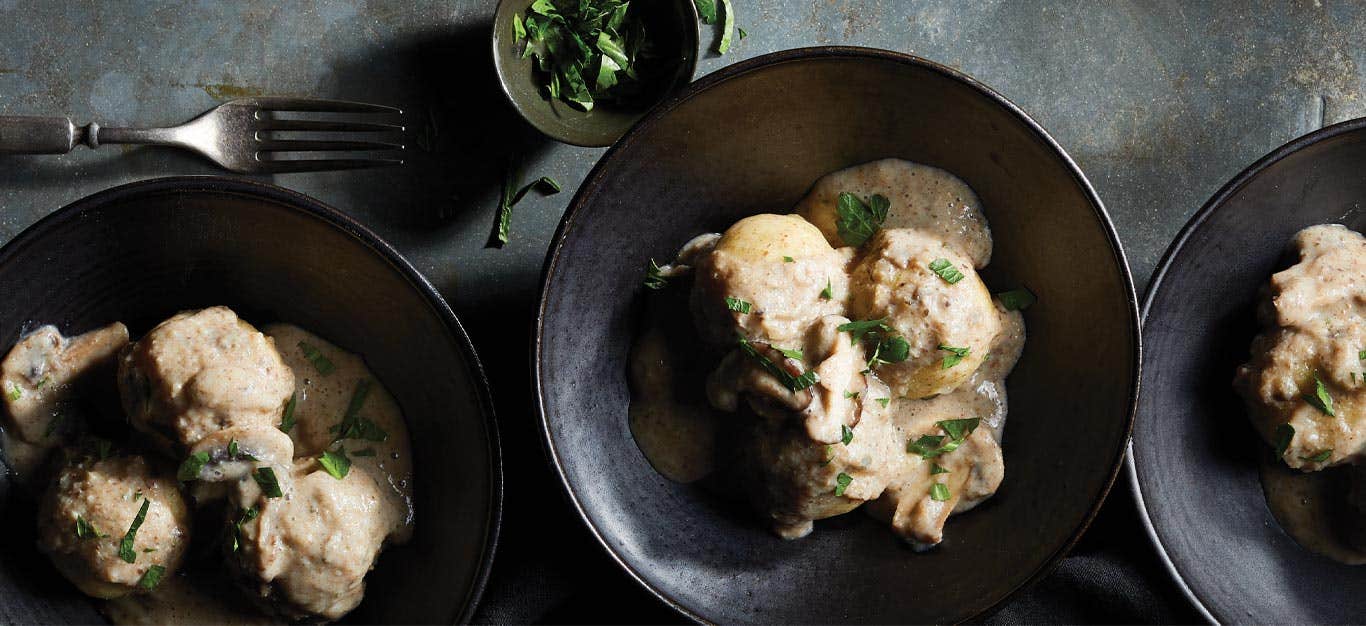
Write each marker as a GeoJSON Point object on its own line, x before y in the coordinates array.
{"type": "Point", "coordinates": [240, 135]}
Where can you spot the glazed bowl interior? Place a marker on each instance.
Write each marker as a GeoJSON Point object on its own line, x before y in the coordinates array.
{"type": "Point", "coordinates": [1195, 452]}
{"type": "Point", "coordinates": [140, 253]}
{"type": "Point", "coordinates": [723, 150]}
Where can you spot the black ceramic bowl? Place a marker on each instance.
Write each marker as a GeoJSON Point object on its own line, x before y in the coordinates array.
{"type": "Point", "coordinates": [144, 251]}
{"type": "Point", "coordinates": [752, 138]}
{"type": "Point", "coordinates": [1195, 455]}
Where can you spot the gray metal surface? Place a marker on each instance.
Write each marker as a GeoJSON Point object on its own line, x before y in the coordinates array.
{"type": "Point", "coordinates": [1159, 103]}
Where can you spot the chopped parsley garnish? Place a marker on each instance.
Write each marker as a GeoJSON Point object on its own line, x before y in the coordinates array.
{"type": "Point", "coordinates": [955, 356]}
{"type": "Point", "coordinates": [706, 9]}
{"type": "Point", "coordinates": [335, 463]}
{"type": "Point", "coordinates": [126, 545]}
{"type": "Point", "coordinates": [850, 394]}
{"type": "Point", "coordinates": [791, 354]}
{"type": "Point", "coordinates": [287, 421]}
{"type": "Point", "coordinates": [14, 393]}
{"type": "Point", "coordinates": [727, 26]}
{"type": "Point", "coordinates": [828, 293]}
{"type": "Point", "coordinates": [318, 359]}
{"type": "Point", "coordinates": [1320, 398]}
{"type": "Point", "coordinates": [364, 452]}
{"type": "Point", "coordinates": [738, 305]}
{"type": "Point", "coordinates": [152, 577]}
{"type": "Point", "coordinates": [654, 276]}
{"type": "Point", "coordinates": [829, 455]}
{"type": "Point", "coordinates": [1016, 299]}
{"type": "Point", "coordinates": [842, 483]}
{"type": "Point", "coordinates": [884, 402]}
{"type": "Point", "coordinates": [888, 349]}
{"type": "Point", "coordinates": [936, 468]}
{"type": "Point", "coordinates": [846, 434]}
{"type": "Point", "coordinates": [42, 383]}
{"type": "Point", "coordinates": [511, 195]}
{"type": "Point", "coordinates": [788, 259]}
{"type": "Point", "coordinates": [1320, 457]}
{"type": "Point", "coordinates": [1361, 356]}
{"type": "Point", "coordinates": [353, 426]}
{"type": "Point", "coordinates": [793, 383]}
{"type": "Point", "coordinates": [233, 448]}
{"type": "Point", "coordinates": [270, 485]}
{"type": "Point", "coordinates": [1284, 434]}
{"type": "Point", "coordinates": [939, 492]}
{"type": "Point", "coordinates": [586, 51]}
{"type": "Point", "coordinates": [946, 271]}
{"type": "Point", "coordinates": [246, 516]}
{"type": "Point", "coordinates": [192, 466]}
{"type": "Point", "coordinates": [931, 446]}
{"type": "Point", "coordinates": [742, 33]}
{"type": "Point", "coordinates": [86, 530]}
{"type": "Point", "coordinates": [859, 220]}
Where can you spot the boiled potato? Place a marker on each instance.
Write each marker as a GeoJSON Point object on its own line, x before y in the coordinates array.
{"type": "Point", "coordinates": [892, 281]}
{"type": "Point", "coordinates": [922, 197]}
{"type": "Point", "coordinates": [777, 298]}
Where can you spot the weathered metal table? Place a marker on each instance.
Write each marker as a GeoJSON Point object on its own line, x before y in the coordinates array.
{"type": "Point", "coordinates": [1160, 103]}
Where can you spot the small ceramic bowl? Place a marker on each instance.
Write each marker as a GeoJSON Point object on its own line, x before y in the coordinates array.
{"type": "Point", "coordinates": [673, 28]}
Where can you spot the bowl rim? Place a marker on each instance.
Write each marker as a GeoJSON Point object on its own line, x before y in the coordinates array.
{"type": "Point", "coordinates": [692, 57]}
{"type": "Point", "coordinates": [348, 225]}
{"type": "Point", "coordinates": [1211, 206]}
{"type": "Point", "coordinates": [589, 189]}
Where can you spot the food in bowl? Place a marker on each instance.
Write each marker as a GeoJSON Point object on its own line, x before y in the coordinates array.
{"type": "Point", "coordinates": [844, 354]}
{"type": "Point", "coordinates": [271, 460]}
{"type": "Point", "coordinates": [1305, 390]}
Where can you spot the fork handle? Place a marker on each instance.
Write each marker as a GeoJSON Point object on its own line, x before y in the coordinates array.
{"type": "Point", "coordinates": [39, 135]}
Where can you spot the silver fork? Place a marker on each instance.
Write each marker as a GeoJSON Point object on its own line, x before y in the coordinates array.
{"type": "Point", "coordinates": [240, 135]}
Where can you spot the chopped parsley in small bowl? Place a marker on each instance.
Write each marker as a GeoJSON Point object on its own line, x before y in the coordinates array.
{"type": "Point", "coordinates": [583, 72]}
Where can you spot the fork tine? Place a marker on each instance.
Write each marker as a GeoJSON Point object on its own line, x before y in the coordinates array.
{"type": "Point", "coordinates": [291, 145]}
{"type": "Point", "coordinates": [315, 104]}
{"type": "Point", "coordinates": [345, 127]}
{"type": "Point", "coordinates": [317, 165]}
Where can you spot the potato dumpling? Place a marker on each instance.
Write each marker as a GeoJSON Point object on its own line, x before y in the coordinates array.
{"type": "Point", "coordinates": [89, 510]}
{"type": "Point", "coordinates": [922, 197]}
{"type": "Point", "coordinates": [768, 278]}
{"type": "Point", "coordinates": [950, 326]}
{"type": "Point", "coordinates": [1304, 385]}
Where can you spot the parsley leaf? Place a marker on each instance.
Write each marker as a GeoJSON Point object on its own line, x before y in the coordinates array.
{"type": "Point", "coordinates": [850, 394]}
{"type": "Point", "coordinates": [14, 393]}
{"type": "Point", "coordinates": [931, 446]}
{"type": "Point", "coordinates": [246, 516]}
{"type": "Point", "coordinates": [1284, 434]}
{"type": "Point", "coordinates": [1320, 398]}
{"type": "Point", "coordinates": [794, 383]}
{"type": "Point", "coordinates": [86, 530]}
{"type": "Point", "coordinates": [353, 426]}
{"type": "Point", "coordinates": [936, 468]}
{"type": "Point", "coordinates": [1016, 299]}
{"type": "Point", "coordinates": [192, 466]}
{"type": "Point", "coordinates": [588, 51]}
{"type": "Point", "coordinates": [287, 420]}
{"type": "Point", "coordinates": [509, 198]}
{"type": "Point", "coordinates": [955, 356]}
{"type": "Point", "coordinates": [788, 259]}
{"type": "Point", "coordinates": [859, 220]}
{"type": "Point", "coordinates": [152, 577]}
{"type": "Point", "coordinates": [1320, 457]}
{"type": "Point", "coordinates": [318, 359]}
{"type": "Point", "coordinates": [939, 492]}
{"type": "Point", "coordinates": [828, 293]}
{"type": "Point", "coordinates": [842, 483]}
{"type": "Point", "coordinates": [335, 463]}
{"type": "Point", "coordinates": [654, 276]}
{"type": "Point", "coordinates": [706, 9]}
{"type": "Point", "coordinates": [946, 271]}
{"type": "Point", "coordinates": [846, 434]}
{"type": "Point", "coordinates": [857, 330]}
{"type": "Point", "coordinates": [737, 305]}
{"type": "Point", "coordinates": [126, 545]}
{"type": "Point", "coordinates": [270, 485]}
{"type": "Point", "coordinates": [884, 402]}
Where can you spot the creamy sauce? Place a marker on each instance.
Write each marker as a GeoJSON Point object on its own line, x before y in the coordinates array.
{"type": "Point", "coordinates": [799, 288]}
{"type": "Point", "coordinates": [182, 600]}
{"type": "Point", "coordinates": [1311, 507]}
{"type": "Point", "coordinates": [321, 401]}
